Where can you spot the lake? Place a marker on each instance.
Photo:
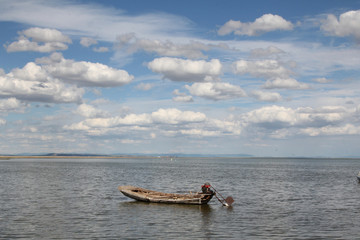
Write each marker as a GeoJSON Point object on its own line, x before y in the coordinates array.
{"type": "Point", "coordinates": [274, 199]}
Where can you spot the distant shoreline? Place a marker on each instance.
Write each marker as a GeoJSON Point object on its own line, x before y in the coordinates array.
{"type": "Point", "coordinates": [9, 157]}
{"type": "Point", "coordinates": [71, 157]}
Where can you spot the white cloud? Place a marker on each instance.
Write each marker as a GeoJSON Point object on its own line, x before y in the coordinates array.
{"type": "Point", "coordinates": [46, 35]}
{"type": "Point", "coordinates": [266, 52]}
{"type": "Point", "coordinates": [185, 98]}
{"type": "Point", "coordinates": [277, 75]}
{"type": "Point", "coordinates": [166, 122]}
{"type": "Point", "coordinates": [322, 80]}
{"type": "Point", "coordinates": [175, 116]}
{"type": "Point", "coordinates": [266, 96]}
{"type": "Point", "coordinates": [11, 105]}
{"type": "Point", "coordinates": [266, 23]}
{"type": "Point", "coordinates": [328, 120]}
{"type": "Point", "coordinates": [269, 122]}
{"type": "Point", "coordinates": [87, 41]}
{"type": "Point", "coordinates": [263, 68]}
{"type": "Point", "coordinates": [216, 91]}
{"type": "Point", "coordinates": [348, 129]}
{"type": "Point", "coordinates": [226, 127]}
{"type": "Point", "coordinates": [286, 83]}
{"type": "Point", "coordinates": [25, 45]}
{"type": "Point", "coordinates": [346, 25]}
{"type": "Point", "coordinates": [181, 97]}
{"type": "Point", "coordinates": [44, 82]}
{"type": "Point", "coordinates": [200, 132]}
{"type": "Point", "coordinates": [167, 48]}
{"type": "Point", "coordinates": [52, 92]}
{"type": "Point", "coordinates": [177, 69]}
{"type": "Point", "coordinates": [84, 73]}
{"type": "Point", "coordinates": [170, 116]}
{"type": "Point", "coordinates": [30, 72]}
{"type": "Point", "coordinates": [273, 114]}
{"type": "Point", "coordinates": [50, 40]}
{"type": "Point", "coordinates": [89, 111]}
{"type": "Point", "coordinates": [130, 119]}
{"type": "Point", "coordinates": [32, 83]}
{"type": "Point", "coordinates": [100, 49]}
{"type": "Point", "coordinates": [87, 19]}
{"type": "Point", "coordinates": [144, 86]}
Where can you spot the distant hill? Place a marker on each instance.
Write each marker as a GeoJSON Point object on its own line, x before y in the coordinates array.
{"type": "Point", "coordinates": [73, 155]}
{"type": "Point", "coordinates": [125, 155]}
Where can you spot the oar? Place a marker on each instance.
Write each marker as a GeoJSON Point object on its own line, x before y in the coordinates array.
{"type": "Point", "coordinates": [224, 204]}
{"type": "Point", "coordinates": [228, 201]}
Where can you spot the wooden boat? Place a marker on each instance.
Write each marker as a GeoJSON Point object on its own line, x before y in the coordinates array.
{"type": "Point", "coordinates": [146, 195]}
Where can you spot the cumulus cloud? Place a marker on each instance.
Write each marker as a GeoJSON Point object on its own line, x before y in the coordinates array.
{"type": "Point", "coordinates": [216, 91]}
{"type": "Point", "coordinates": [175, 116]}
{"type": "Point", "coordinates": [185, 98]}
{"type": "Point", "coordinates": [30, 72]}
{"type": "Point", "coordinates": [170, 116]}
{"type": "Point", "coordinates": [276, 116]}
{"type": "Point", "coordinates": [277, 75]}
{"type": "Point", "coordinates": [23, 45]}
{"type": "Point", "coordinates": [346, 25]}
{"type": "Point", "coordinates": [199, 132]}
{"type": "Point", "coordinates": [167, 122]}
{"type": "Point", "coordinates": [84, 73]}
{"type": "Point", "coordinates": [89, 111]}
{"type": "Point", "coordinates": [53, 79]}
{"type": "Point", "coordinates": [266, 96]}
{"type": "Point", "coordinates": [275, 121]}
{"type": "Point", "coordinates": [309, 121]}
{"type": "Point", "coordinates": [46, 35]}
{"type": "Point", "coordinates": [181, 97]}
{"type": "Point", "coordinates": [32, 83]}
{"type": "Point", "coordinates": [285, 83]}
{"type": "Point", "coordinates": [177, 69]}
{"type": "Point", "coordinates": [347, 129]}
{"type": "Point", "coordinates": [263, 68]}
{"type": "Point", "coordinates": [263, 24]}
{"type": "Point", "coordinates": [39, 40]}
{"type": "Point", "coordinates": [227, 127]}
{"type": "Point", "coordinates": [11, 105]}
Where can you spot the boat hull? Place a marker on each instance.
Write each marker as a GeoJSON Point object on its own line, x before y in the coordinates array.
{"type": "Point", "coordinates": [145, 195]}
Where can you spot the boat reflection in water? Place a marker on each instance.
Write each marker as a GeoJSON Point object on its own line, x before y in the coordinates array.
{"type": "Point", "coordinates": [195, 219]}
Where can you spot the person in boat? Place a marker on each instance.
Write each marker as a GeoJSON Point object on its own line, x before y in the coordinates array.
{"type": "Point", "coordinates": [206, 188]}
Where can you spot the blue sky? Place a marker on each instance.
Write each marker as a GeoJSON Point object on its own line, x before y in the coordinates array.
{"type": "Point", "coordinates": [265, 78]}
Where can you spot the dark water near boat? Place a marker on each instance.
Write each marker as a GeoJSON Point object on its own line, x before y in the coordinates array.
{"type": "Point", "coordinates": [274, 199]}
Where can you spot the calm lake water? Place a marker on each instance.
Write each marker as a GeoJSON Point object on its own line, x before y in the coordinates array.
{"type": "Point", "coordinates": [274, 199]}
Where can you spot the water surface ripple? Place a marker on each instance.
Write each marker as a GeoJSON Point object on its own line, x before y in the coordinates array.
{"type": "Point", "coordinates": [274, 199]}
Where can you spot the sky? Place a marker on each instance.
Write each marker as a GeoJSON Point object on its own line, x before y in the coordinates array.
{"type": "Point", "coordinates": [272, 78]}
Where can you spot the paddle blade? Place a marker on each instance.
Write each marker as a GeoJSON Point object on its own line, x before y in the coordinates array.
{"type": "Point", "coordinates": [229, 200]}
